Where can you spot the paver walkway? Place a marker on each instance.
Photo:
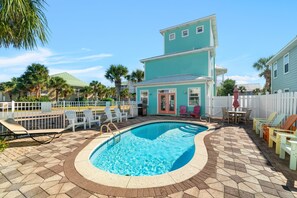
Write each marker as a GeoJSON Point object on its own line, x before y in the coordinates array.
{"type": "Point", "coordinates": [238, 166]}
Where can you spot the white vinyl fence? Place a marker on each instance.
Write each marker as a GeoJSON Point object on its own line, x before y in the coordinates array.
{"type": "Point", "coordinates": [261, 105]}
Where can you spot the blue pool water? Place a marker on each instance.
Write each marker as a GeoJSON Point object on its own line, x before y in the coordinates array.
{"type": "Point", "coordinates": [151, 149]}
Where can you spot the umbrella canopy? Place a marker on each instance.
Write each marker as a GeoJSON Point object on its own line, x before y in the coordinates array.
{"type": "Point", "coordinates": [235, 102]}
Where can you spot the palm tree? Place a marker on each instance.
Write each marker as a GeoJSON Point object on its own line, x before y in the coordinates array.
{"type": "Point", "coordinates": [137, 76]}
{"type": "Point", "coordinates": [67, 91]}
{"type": "Point", "coordinates": [9, 87]}
{"type": "Point", "coordinates": [22, 23]}
{"type": "Point", "coordinates": [35, 78]}
{"type": "Point", "coordinates": [114, 74]}
{"type": "Point", "coordinates": [242, 89]}
{"type": "Point", "coordinates": [262, 66]}
{"type": "Point", "coordinates": [58, 84]}
{"type": "Point", "coordinates": [87, 90]}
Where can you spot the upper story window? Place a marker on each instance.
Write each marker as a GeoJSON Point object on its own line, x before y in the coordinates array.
{"type": "Point", "coordinates": [171, 36]}
{"type": "Point", "coordinates": [286, 63]}
{"type": "Point", "coordinates": [199, 29]}
{"type": "Point", "coordinates": [275, 69]}
{"type": "Point", "coordinates": [193, 96]}
{"type": "Point", "coordinates": [185, 33]}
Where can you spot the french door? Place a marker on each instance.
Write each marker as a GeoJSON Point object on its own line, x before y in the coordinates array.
{"type": "Point", "coordinates": [166, 103]}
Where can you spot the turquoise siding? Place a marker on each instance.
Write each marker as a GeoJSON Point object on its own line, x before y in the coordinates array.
{"type": "Point", "coordinates": [192, 41]}
{"type": "Point", "coordinates": [181, 96]}
{"type": "Point", "coordinates": [289, 80]}
{"type": "Point", "coordinates": [196, 64]}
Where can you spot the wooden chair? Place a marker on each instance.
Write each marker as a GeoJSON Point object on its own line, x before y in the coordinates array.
{"type": "Point", "coordinates": [183, 111]}
{"type": "Point", "coordinates": [275, 136]}
{"type": "Point", "coordinates": [226, 115]}
{"type": "Point", "coordinates": [110, 116]}
{"type": "Point", "coordinates": [276, 122]}
{"type": "Point", "coordinates": [289, 147]}
{"type": "Point", "coordinates": [90, 118]}
{"type": "Point", "coordinates": [246, 117]}
{"type": "Point", "coordinates": [120, 114]}
{"type": "Point", "coordinates": [74, 121]}
{"type": "Point", "coordinates": [196, 112]}
{"type": "Point", "coordinates": [257, 121]}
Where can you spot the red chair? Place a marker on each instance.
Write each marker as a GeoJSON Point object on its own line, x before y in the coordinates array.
{"type": "Point", "coordinates": [183, 110]}
{"type": "Point", "coordinates": [196, 112]}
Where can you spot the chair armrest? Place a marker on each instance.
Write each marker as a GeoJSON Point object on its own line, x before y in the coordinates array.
{"type": "Point", "coordinates": [293, 142]}
{"type": "Point", "coordinates": [72, 121]}
{"type": "Point", "coordinates": [285, 130]}
{"type": "Point", "coordinates": [286, 135]}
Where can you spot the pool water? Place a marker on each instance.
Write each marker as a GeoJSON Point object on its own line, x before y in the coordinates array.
{"type": "Point", "coordinates": [147, 150]}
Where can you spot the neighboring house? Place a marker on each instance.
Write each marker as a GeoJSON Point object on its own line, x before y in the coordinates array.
{"type": "Point", "coordinates": [185, 74]}
{"type": "Point", "coordinates": [128, 85]}
{"type": "Point", "coordinates": [284, 68]}
{"type": "Point", "coordinates": [249, 88]}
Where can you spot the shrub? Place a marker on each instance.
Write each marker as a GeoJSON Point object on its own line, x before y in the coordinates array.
{"type": "Point", "coordinates": [108, 99]}
{"type": "Point", "coordinates": [3, 144]}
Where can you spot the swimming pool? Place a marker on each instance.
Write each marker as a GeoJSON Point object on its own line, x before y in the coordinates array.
{"type": "Point", "coordinates": [148, 150]}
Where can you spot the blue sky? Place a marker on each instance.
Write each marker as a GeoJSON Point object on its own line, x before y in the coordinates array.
{"type": "Point", "coordinates": [88, 36]}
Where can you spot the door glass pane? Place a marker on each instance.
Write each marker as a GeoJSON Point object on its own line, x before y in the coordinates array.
{"type": "Point", "coordinates": [163, 103]}
{"type": "Point", "coordinates": [171, 102]}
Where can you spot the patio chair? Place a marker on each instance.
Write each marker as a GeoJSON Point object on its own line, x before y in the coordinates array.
{"type": "Point", "coordinates": [120, 114]}
{"type": "Point", "coordinates": [246, 117]}
{"type": "Point", "coordinates": [270, 135]}
{"type": "Point", "coordinates": [90, 118]}
{"type": "Point", "coordinates": [183, 111]}
{"type": "Point", "coordinates": [275, 136]}
{"type": "Point", "coordinates": [196, 112]}
{"type": "Point", "coordinates": [18, 130]}
{"type": "Point", "coordinates": [110, 116]}
{"type": "Point", "coordinates": [226, 115]}
{"type": "Point", "coordinates": [74, 121]}
{"type": "Point", "coordinates": [289, 147]}
{"type": "Point", "coordinates": [276, 122]}
{"type": "Point", "coordinates": [257, 121]}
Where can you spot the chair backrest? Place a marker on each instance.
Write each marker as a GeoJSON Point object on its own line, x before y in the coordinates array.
{"type": "Point", "coordinates": [278, 119]}
{"type": "Point", "coordinates": [248, 113]}
{"type": "Point", "coordinates": [108, 113]}
{"type": "Point", "coordinates": [289, 122]}
{"type": "Point", "coordinates": [271, 117]}
{"type": "Point", "coordinates": [117, 111]}
{"type": "Point", "coordinates": [71, 115]}
{"type": "Point", "coordinates": [244, 109]}
{"type": "Point", "coordinates": [196, 110]}
{"type": "Point", "coordinates": [182, 109]}
{"type": "Point", "coordinates": [88, 114]}
{"type": "Point", "coordinates": [224, 112]}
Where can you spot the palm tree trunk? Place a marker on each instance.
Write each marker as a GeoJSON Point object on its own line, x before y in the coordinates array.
{"type": "Point", "coordinates": [57, 95]}
{"type": "Point", "coordinates": [118, 89]}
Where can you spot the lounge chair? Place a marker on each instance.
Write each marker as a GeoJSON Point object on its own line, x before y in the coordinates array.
{"type": "Point", "coordinates": [275, 136]}
{"type": "Point", "coordinates": [18, 130]}
{"type": "Point", "coordinates": [289, 147]}
{"type": "Point", "coordinates": [110, 116]}
{"type": "Point", "coordinates": [271, 136]}
{"type": "Point", "coordinates": [90, 118]}
{"type": "Point", "coordinates": [120, 114]}
{"type": "Point", "coordinates": [196, 112]}
{"type": "Point", "coordinates": [183, 111]}
{"type": "Point", "coordinates": [73, 120]}
{"type": "Point", "coordinates": [257, 121]}
{"type": "Point", "coordinates": [275, 123]}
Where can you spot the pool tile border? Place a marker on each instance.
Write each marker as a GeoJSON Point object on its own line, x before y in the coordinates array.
{"type": "Point", "coordinates": [80, 171]}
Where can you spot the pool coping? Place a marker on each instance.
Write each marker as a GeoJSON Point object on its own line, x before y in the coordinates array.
{"type": "Point", "coordinates": [85, 168]}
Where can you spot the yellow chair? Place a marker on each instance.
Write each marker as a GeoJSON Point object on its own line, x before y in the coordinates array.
{"type": "Point", "coordinates": [257, 121]}
{"type": "Point", "coordinates": [275, 135]}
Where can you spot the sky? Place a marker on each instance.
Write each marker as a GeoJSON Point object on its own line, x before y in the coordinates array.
{"type": "Point", "coordinates": [86, 37]}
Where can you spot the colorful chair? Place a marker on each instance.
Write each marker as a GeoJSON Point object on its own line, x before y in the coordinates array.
{"type": "Point", "coordinates": [196, 112]}
{"type": "Point", "coordinates": [287, 126]}
{"type": "Point", "coordinates": [183, 110]}
{"type": "Point", "coordinates": [257, 121]}
{"type": "Point", "coordinates": [275, 135]}
{"type": "Point", "coordinates": [276, 122]}
{"type": "Point", "coordinates": [289, 147]}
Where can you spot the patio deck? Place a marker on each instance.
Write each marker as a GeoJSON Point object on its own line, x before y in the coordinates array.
{"type": "Point", "coordinates": [240, 164]}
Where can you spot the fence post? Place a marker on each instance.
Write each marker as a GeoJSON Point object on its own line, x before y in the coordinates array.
{"type": "Point", "coordinates": [12, 108]}
{"type": "Point", "coordinates": [228, 101]}
{"type": "Point", "coordinates": [266, 105]}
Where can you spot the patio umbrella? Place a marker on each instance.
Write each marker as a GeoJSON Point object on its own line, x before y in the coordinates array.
{"type": "Point", "coordinates": [235, 102]}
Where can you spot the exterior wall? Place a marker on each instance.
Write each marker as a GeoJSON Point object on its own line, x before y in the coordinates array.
{"type": "Point", "coordinates": [196, 64]}
{"type": "Point", "coordinates": [192, 41]}
{"type": "Point", "coordinates": [285, 81]}
{"type": "Point", "coordinates": [181, 96]}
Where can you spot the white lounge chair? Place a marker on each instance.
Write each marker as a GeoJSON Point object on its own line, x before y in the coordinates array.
{"type": "Point", "coordinates": [90, 118]}
{"type": "Point", "coordinates": [110, 115]}
{"type": "Point", "coordinates": [120, 114]}
{"type": "Point", "coordinates": [73, 120]}
{"type": "Point", "coordinates": [289, 147]}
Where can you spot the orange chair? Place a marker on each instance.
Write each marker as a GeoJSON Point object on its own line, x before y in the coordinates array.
{"type": "Point", "coordinates": [288, 125]}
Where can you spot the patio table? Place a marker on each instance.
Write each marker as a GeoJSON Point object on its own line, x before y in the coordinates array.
{"type": "Point", "coordinates": [236, 114]}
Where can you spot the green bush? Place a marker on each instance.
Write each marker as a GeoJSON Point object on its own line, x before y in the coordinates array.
{"type": "Point", "coordinates": [3, 144]}
{"type": "Point", "coordinates": [108, 99]}
{"type": "Point", "coordinates": [33, 99]}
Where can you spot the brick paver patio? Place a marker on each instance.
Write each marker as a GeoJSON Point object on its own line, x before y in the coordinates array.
{"type": "Point", "coordinates": [239, 165]}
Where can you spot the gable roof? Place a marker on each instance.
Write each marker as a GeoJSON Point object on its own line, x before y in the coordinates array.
{"type": "Point", "coordinates": [212, 18]}
{"type": "Point", "coordinates": [283, 51]}
{"type": "Point", "coordinates": [71, 80]}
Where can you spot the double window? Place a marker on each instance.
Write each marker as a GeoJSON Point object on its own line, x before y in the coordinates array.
{"type": "Point", "coordinates": [193, 96]}
{"type": "Point", "coordinates": [286, 63]}
{"type": "Point", "coordinates": [275, 69]}
{"type": "Point", "coordinates": [144, 96]}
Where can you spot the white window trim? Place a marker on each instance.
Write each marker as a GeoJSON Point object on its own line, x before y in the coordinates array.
{"type": "Point", "coordinates": [274, 68]}
{"type": "Point", "coordinates": [286, 89]}
{"type": "Point", "coordinates": [284, 62]}
{"type": "Point", "coordinates": [199, 91]}
{"type": "Point", "coordinates": [148, 94]}
{"type": "Point", "coordinates": [182, 33]}
{"type": "Point", "coordinates": [199, 27]}
{"type": "Point", "coordinates": [171, 39]}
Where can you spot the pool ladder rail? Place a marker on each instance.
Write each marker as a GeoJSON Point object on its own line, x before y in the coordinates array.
{"type": "Point", "coordinates": [107, 126]}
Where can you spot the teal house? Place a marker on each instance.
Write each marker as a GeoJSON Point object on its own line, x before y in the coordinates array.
{"type": "Point", "coordinates": [284, 68]}
{"type": "Point", "coordinates": [185, 74]}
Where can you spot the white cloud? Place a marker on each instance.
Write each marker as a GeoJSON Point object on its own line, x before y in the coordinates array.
{"type": "Point", "coordinates": [246, 79]}
{"type": "Point", "coordinates": [85, 49]}
{"type": "Point", "coordinates": [88, 71]}
{"type": "Point", "coordinates": [95, 57]}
